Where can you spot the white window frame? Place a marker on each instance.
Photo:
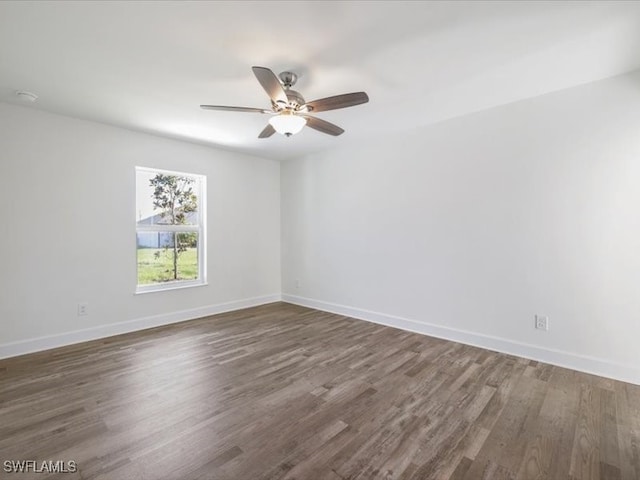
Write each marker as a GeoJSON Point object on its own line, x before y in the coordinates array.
{"type": "Point", "coordinates": [200, 229]}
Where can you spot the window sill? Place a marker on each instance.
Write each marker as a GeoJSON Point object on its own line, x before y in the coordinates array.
{"type": "Point", "coordinates": [167, 287]}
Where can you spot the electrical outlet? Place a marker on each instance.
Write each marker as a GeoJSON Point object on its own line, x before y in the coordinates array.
{"type": "Point", "coordinates": [542, 323]}
{"type": "Point", "coordinates": [83, 309]}
{"type": "Point", "coordinates": [297, 284]}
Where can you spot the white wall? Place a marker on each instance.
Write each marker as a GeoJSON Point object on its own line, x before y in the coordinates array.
{"type": "Point", "coordinates": [463, 230]}
{"type": "Point", "coordinates": [468, 228]}
{"type": "Point", "coordinates": [68, 203]}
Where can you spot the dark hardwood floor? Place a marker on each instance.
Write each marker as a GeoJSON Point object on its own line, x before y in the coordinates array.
{"type": "Point", "coordinates": [284, 392]}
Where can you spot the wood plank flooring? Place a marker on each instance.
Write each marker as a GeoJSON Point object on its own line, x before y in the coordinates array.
{"type": "Point", "coordinates": [285, 392]}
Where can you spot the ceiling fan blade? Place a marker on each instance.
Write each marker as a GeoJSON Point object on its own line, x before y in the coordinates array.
{"type": "Point", "coordinates": [323, 126]}
{"type": "Point", "coordinates": [234, 109]}
{"type": "Point", "coordinates": [338, 101]}
{"type": "Point", "coordinates": [267, 132]}
{"type": "Point", "coordinates": [271, 84]}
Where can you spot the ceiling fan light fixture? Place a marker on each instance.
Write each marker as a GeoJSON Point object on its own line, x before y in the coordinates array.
{"type": "Point", "coordinates": [287, 124]}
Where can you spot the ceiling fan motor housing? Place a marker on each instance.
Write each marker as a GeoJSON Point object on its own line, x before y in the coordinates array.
{"type": "Point", "coordinates": [295, 99]}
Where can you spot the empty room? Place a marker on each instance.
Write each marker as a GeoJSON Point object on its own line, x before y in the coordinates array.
{"type": "Point", "coordinates": [320, 240]}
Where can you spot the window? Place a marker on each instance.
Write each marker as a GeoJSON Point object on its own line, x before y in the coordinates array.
{"type": "Point", "coordinates": [170, 229]}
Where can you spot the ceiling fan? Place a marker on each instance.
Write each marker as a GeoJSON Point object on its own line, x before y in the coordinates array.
{"type": "Point", "coordinates": [289, 110]}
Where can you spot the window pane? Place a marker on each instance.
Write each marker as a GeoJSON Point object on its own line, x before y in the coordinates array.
{"type": "Point", "coordinates": [167, 257]}
{"type": "Point", "coordinates": [166, 198]}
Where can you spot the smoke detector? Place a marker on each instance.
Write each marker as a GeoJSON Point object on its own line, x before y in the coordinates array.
{"type": "Point", "coordinates": [26, 96]}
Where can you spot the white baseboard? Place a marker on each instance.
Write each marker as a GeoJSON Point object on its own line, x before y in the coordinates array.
{"type": "Point", "coordinates": [38, 344]}
{"type": "Point", "coordinates": [582, 363]}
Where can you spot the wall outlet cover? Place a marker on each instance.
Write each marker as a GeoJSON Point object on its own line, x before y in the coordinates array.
{"type": "Point", "coordinates": [542, 323]}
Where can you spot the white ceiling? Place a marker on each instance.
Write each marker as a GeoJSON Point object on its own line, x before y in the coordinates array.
{"type": "Point", "coordinates": [149, 65]}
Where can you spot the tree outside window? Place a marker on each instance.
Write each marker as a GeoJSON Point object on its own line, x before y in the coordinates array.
{"type": "Point", "coordinates": [169, 229]}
